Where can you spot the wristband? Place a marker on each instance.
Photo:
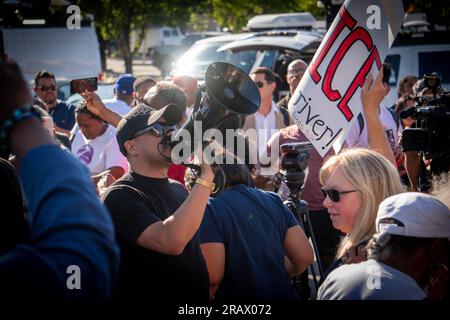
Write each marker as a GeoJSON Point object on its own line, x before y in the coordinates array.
{"type": "Point", "coordinates": [203, 182]}
{"type": "Point", "coordinates": [7, 126]}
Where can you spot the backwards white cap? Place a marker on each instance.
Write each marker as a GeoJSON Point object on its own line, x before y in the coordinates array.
{"type": "Point", "coordinates": [414, 214]}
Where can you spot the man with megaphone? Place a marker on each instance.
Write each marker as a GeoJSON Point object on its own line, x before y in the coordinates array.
{"type": "Point", "coordinates": [155, 219]}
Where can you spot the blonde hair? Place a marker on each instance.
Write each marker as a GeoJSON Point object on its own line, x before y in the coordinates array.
{"type": "Point", "coordinates": [374, 177]}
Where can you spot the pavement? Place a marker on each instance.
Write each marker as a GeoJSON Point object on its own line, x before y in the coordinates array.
{"type": "Point", "coordinates": [140, 68]}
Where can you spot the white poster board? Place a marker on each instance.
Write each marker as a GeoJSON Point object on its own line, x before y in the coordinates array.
{"type": "Point", "coordinates": [327, 100]}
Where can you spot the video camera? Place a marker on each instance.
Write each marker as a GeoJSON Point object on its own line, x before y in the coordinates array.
{"type": "Point", "coordinates": [432, 114]}
{"type": "Point", "coordinates": [294, 161]}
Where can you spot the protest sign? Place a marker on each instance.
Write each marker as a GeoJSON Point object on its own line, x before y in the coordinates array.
{"type": "Point", "coordinates": [327, 100]}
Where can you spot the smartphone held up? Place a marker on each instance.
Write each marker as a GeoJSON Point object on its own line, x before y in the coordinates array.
{"type": "Point", "coordinates": [80, 85]}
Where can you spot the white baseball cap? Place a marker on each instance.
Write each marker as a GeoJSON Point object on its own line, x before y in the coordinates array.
{"type": "Point", "coordinates": [414, 214]}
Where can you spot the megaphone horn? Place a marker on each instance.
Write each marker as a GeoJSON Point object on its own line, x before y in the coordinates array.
{"type": "Point", "coordinates": [230, 95]}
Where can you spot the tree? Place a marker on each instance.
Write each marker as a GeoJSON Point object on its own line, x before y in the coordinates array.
{"type": "Point", "coordinates": [438, 11]}
{"type": "Point", "coordinates": [117, 19]}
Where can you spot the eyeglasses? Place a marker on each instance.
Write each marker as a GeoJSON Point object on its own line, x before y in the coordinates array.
{"type": "Point", "coordinates": [45, 88]}
{"type": "Point", "coordinates": [259, 84]}
{"type": "Point", "coordinates": [296, 72]}
{"type": "Point", "coordinates": [157, 129]}
{"type": "Point", "coordinates": [335, 195]}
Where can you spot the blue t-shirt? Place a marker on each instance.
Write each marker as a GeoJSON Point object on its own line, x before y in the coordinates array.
{"type": "Point", "coordinates": [63, 115]}
{"type": "Point", "coordinates": [252, 225]}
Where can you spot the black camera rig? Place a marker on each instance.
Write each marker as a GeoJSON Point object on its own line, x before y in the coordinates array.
{"type": "Point", "coordinates": [294, 161]}
{"type": "Point", "coordinates": [432, 114]}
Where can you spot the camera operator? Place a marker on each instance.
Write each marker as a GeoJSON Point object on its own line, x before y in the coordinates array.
{"type": "Point", "coordinates": [429, 135]}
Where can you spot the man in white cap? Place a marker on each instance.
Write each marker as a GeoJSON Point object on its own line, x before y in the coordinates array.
{"type": "Point", "coordinates": [409, 256]}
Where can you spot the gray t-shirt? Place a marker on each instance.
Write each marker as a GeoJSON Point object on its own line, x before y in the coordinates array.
{"type": "Point", "coordinates": [369, 280]}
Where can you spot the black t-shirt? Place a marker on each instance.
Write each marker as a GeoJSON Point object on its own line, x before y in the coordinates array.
{"type": "Point", "coordinates": [135, 202]}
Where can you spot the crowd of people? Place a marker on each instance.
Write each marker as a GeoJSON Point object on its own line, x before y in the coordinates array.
{"type": "Point", "coordinates": [93, 186]}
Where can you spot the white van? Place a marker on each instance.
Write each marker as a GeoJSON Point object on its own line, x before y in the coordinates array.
{"type": "Point", "coordinates": [417, 55]}
{"type": "Point", "coordinates": [69, 54]}
{"type": "Point", "coordinates": [160, 38]}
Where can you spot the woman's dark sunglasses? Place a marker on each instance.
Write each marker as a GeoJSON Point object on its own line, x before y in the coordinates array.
{"type": "Point", "coordinates": [335, 195]}
{"type": "Point", "coordinates": [157, 129]}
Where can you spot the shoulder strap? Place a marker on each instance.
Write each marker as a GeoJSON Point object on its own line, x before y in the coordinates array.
{"type": "Point", "coordinates": [361, 123]}
{"type": "Point", "coordinates": [391, 111]}
{"type": "Point", "coordinates": [395, 116]}
{"type": "Point", "coordinates": [285, 113]}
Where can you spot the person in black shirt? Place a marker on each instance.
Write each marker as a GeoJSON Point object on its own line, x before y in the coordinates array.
{"type": "Point", "coordinates": [156, 220]}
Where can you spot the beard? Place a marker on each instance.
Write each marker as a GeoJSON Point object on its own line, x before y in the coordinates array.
{"type": "Point", "coordinates": [51, 100]}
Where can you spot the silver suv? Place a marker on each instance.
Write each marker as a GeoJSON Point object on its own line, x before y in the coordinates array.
{"type": "Point", "coordinates": [273, 49]}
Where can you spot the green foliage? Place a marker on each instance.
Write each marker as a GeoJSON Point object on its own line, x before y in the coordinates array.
{"type": "Point", "coordinates": [116, 19]}
{"type": "Point", "coordinates": [234, 14]}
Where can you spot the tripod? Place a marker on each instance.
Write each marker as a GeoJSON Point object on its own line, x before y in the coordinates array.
{"type": "Point", "coordinates": [299, 208]}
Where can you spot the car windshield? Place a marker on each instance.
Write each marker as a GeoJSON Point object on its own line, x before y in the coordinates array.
{"type": "Point", "coordinates": [197, 58]}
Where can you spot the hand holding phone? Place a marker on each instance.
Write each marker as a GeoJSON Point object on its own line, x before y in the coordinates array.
{"type": "Point", "coordinates": [80, 85]}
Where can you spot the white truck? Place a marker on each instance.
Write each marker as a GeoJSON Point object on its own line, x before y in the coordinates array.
{"type": "Point", "coordinates": [69, 54]}
{"type": "Point", "coordinates": [160, 38]}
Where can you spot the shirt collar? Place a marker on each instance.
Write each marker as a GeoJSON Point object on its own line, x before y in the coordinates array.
{"type": "Point", "coordinates": [273, 110]}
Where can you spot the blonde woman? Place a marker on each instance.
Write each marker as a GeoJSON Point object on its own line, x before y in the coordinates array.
{"type": "Point", "coordinates": [354, 184]}
{"type": "Point", "coordinates": [356, 181]}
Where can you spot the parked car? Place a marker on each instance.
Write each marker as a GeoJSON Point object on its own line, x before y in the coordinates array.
{"type": "Point", "coordinates": [191, 37]}
{"type": "Point", "coordinates": [276, 49]}
{"type": "Point", "coordinates": [282, 21]}
{"type": "Point", "coordinates": [202, 53]}
{"type": "Point", "coordinates": [416, 51]}
{"type": "Point", "coordinates": [273, 49]}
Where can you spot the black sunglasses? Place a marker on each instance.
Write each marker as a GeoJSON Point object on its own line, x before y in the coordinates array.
{"type": "Point", "coordinates": [157, 129]}
{"type": "Point", "coordinates": [259, 84]}
{"type": "Point", "coordinates": [45, 89]}
{"type": "Point", "coordinates": [335, 195]}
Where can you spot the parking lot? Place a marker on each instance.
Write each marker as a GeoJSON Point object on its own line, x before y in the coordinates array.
{"type": "Point", "coordinates": [139, 69]}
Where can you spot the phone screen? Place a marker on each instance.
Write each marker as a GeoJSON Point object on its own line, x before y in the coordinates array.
{"type": "Point", "coordinates": [80, 85]}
